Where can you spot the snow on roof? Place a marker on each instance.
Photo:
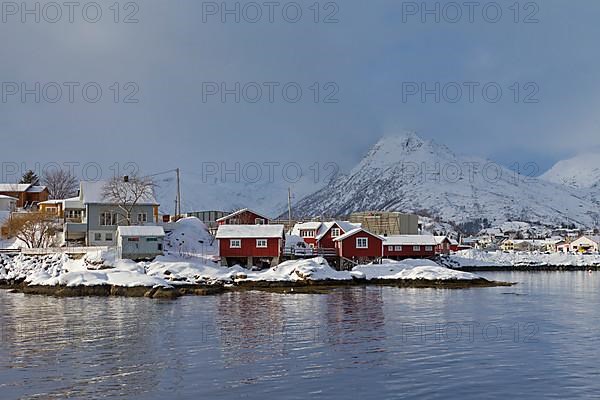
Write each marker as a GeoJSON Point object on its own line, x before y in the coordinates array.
{"type": "Point", "coordinates": [353, 232]}
{"type": "Point", "coordinates": [249, 231]}
{"type": "Point", "coordinates": [243, 210]}
{"type": "Point", "coordinates": [36, 189]}
{"type": "Point", "coordinates": [141, 230]}
{"type": "Point", "coordinates": [14, 187]}
{"type": "Point", "coordinates": [440, 239]}
{"type": "Point", "coordinates": [407, 240]}
{"type": "Point", "coordinates": [52, 202]}
{"type": "Point", "coordinates": [93, 193]}
{"type": "Point", "coordinates": [345, 226]}
{"type": "Point", "coordinates": [3, 196]}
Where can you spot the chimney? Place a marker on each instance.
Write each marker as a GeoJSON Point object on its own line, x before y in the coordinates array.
{"type": "Point", "coordinates": [126, 178]}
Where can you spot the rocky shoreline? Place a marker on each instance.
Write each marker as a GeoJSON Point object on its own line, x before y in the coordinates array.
{"type": "Point", "coordinates": [308, 286]}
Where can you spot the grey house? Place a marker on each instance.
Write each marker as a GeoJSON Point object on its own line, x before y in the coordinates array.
{"type": "Point", "coordinates": [140, 242]}
{"type": "Point", "coordinates": [100, 217]}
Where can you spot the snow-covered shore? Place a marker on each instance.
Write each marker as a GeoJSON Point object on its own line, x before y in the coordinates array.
{"type": "Point", "coordinates": [478, 258]}
{"type": "Point", "coordinates": [173, 272]}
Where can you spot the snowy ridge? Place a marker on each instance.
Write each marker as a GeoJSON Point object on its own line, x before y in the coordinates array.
{"type": "Point", "coordinates": [409, 174]}
{"type": "Point", "coordinates": [581, 171]}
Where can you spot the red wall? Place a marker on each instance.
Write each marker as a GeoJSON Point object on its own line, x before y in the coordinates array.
{"type": "Point", "coordinates": [349, 250]}
{"type": "Point", "coordinates": [249, 249]}
{"type": "Point", "coordinates": [408, 252]}
{"type": "Point", "coordinates": [245, 218]}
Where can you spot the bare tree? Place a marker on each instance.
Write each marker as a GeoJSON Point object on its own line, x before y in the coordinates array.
{"type": "Point", "coordinates": [35, 229]}
{"type": "Point", "coordinates": [125, 193]}
{"type": "Point", "coordinates": [60, 183]}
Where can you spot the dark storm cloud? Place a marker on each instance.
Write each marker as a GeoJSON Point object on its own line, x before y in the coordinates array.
{"type": "Point", "coordinates": [362, 65]}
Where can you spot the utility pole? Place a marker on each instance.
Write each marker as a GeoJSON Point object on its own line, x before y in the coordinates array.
{"type": "Point", "coordinates": [178, 208]}
{"type": "Point", "coordinates": [290, 206]}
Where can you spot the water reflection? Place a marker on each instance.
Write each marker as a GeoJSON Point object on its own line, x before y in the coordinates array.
{"type": "Point", "coordinates": [352, 342]}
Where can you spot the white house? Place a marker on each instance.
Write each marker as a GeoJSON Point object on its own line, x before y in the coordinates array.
{"type": "Point", "coordinates": [140, 242]}
{"type": "Point", "coordinates": [585, 244]}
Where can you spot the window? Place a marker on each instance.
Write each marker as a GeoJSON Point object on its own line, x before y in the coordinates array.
{"type": "Point", "coordinates": [335, 232]}
{"type": "Point", "coordinates": [307, 233]}
{"type": "Point", "coordinates": [108, 219]}
{"type": "Point", "coordinates": [73, 214]}
{"type": "Point", "coordinates": [151, 239]}
{"type": "Point", "coordinates": [398, 248]}
{"type": "Point", "coordinates": [51, 210]}
{"type": "Point", "coordinates": [133, 239]}
{"type": "Point", "coordinates": [362, 243]}
{"type": "Point", "coordinates": [235, 243]}
{"type": "Point", "coordinates": [259, 221]}
{"type": "Point", "coordinates": [142, 218]}
{"type": "Point", "coordinates": [428, 248]}
{"type": "Point", "coordinates": [416, 248]}
{"type": "Point", "coordinates": [261, 243]}
{"type": "Point", "coordinates": [391, 248]}
{"type": "Point", "coordinates": [108, 237]}
{"type": "Point", "coordinates": [160, 247]}
{"type": "Point", "coordinates": [97, 236]}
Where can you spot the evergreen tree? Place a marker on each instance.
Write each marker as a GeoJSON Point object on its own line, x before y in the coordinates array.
{"type": "Point", "coordinates": [30, 177]}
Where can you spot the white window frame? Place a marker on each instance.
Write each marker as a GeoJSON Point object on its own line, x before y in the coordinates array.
{"type": "Point", "coordinates": [397, 248]}
{"type": "Point", "coordinates": [259, 221]}
{"type": "Point", "coordinates": [428, 248]}
{"type": "Point", "coordinates": [390, 248]}
{"type": "Point", "coordinates": [235, 243]}
{"type": "Point", "coordinates": [106, 239]}
{"type": "Point", "coordinates": [359, 245]}
{"type": "Point", "coordinates": [144, 218]}
{"type": "Point", "coordinates": [96, 236]}
{"type": "Point", "coordinates": [262, 243]}
{"type": "Point", "coordinates": [103, 219]}
{"type": "Point", "coordinates": [336, 232]}
{"type": "Point", "coordinates": [416, 248]}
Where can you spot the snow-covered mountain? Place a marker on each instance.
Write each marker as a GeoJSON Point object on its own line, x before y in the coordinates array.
{"type": "Point", "coordinates": [580, 172]}
{"type": "Point", "coordinates": [407, 173]}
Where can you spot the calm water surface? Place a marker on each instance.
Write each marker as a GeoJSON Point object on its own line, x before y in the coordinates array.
{"type": "Point", "coordinates": [540, 339]}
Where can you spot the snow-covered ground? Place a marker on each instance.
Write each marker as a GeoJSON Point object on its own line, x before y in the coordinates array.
{"type": "Point", "coordinates": [480, 258]}
{"type": "Point", "coordinates": [170, 271]}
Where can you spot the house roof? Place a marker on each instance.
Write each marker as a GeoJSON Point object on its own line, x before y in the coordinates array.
{"type": "Point", "coordinates": [354, 232]}
{"type": "Point", "coordinates": [93, 193]}
{"type": "Point", "coordinates": [408, 240]}
{"type": "Point", "coordinates": [344, 226]}
{"type": "Point", "coordinates": [249, 231]}
{"type": "Point", "coordinates": [238, 212]}
{"type": "Point", "coordinates": [141, 230]}
{"type": "Point", "coordinates": [36, 189]}
{"type": "Point", "coordinates": [3, 196]}
{"type": "Point", "coordinates": [312, 225]}
{"type": "Point", "coordinates": [14, 187]}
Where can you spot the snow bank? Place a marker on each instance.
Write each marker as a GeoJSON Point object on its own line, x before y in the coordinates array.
{"type": "Point", "coordinates": [480, 258]}
{"type": "Point", "coordinates": [190, 237]}
{"type": "Point", "coordinates": [411, 270]}
{"type": "Point", "coordinates": [58, 269]}
{"type": "Point", "coordinates": [314, 269]}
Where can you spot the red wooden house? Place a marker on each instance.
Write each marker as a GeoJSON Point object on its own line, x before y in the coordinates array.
{"type": "Point", "coordinates": [359, 245]}
{"type": "Point", "coordinates": [399, 247]}
{"type": "Point", "coordinates": [321, 235]}
{"type": "Point", "coordinates": [442, 245]}
{"type": "Point", "coordinates": [244, 216]}
{"type": "Point", "coordinates": [250, 245]}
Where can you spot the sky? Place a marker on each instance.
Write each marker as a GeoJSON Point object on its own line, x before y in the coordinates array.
{"type": "Point", "coordinates": [168, 74]}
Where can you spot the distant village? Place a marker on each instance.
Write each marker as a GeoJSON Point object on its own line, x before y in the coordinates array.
{"type": "Point", "coordinates": [123, 214]}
